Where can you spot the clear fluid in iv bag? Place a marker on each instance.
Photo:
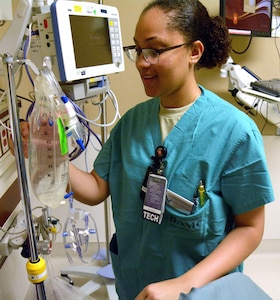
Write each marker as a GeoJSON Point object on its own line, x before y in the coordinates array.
{"type": "Point", "coordinates": [48, 163]}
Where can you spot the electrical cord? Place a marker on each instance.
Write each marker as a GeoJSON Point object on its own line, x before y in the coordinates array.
{"type": "Point", "coordinates": [117, 114]}
{"type": "Point", "coordinates": [45, 231]}
{"type": "Point", "coordinates": [246, 49]}
{"type": "Point", "coordinates": [7, 231]}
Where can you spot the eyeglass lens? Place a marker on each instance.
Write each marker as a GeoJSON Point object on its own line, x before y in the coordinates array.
{"type": "Point", "coordinates": [150, 55]}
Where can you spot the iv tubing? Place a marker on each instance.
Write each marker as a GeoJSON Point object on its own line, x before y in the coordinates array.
{"type": "Point", "coordinates": [22, 176]}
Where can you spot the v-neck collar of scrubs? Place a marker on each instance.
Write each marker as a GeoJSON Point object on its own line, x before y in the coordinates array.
{"type": "Point", "coordinates": [187, 122]}
{"type": "Point", "coordinates": [168, 118]}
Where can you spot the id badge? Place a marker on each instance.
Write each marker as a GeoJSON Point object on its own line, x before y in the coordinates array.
{"type": "Point", "coordinates": [154, 202]}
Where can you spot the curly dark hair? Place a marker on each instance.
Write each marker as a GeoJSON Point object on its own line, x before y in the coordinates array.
{"type": "Point", "coordinates": [191, 18]}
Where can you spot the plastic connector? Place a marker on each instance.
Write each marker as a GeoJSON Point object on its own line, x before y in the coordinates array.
{"type": "Point", "coordinates": [71, 122]}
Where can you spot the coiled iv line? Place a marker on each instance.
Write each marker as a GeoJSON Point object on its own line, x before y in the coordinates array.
{"type": "Point", "coordinates": [77, 232]}
{"type": "Point", "coordinates": [113, 97]}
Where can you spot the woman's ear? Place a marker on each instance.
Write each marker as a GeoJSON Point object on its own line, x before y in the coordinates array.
{"type": "Point", "coordinates": [197, 50]}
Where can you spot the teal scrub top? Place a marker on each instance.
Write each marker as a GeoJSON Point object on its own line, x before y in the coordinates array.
{"type": "Point", "coordinates": [213, 142]}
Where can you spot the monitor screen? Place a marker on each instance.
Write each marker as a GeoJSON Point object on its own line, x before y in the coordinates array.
{"type": "Point", "coordinates": [87, 39]}
{"type": "Point", "coordinates": [92, 44]}
{"type": "Point", "coordinates": [247, 17]}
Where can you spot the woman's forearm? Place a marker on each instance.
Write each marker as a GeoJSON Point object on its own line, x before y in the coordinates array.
{"type": "Point", "coordinates": [88, 188]}
{"type": "Point", "coordinates": [232, 251]}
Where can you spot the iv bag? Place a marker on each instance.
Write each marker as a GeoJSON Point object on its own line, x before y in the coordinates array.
{"type": "Point", "coordinates": [48, 151]}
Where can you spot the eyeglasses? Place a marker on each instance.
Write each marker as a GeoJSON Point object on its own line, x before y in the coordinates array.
{"type": "Point", "coordinates": [150, 55]}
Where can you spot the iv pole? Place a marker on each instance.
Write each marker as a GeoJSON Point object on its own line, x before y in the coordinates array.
{"type": "Point", "coordinates": [13, 110]}
{"type": "Point", "coordinates": [106, 204]}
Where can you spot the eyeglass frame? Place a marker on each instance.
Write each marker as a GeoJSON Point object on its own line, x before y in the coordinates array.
{"type": "Point", "coordinates": [157, 51]}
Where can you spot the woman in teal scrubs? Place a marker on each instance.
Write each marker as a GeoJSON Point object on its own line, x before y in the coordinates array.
{"type": "Point", "coordinates": [208, 143]}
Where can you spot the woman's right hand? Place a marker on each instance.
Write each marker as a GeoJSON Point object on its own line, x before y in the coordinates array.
{"type": "Point", "coordinates": [24, 130]}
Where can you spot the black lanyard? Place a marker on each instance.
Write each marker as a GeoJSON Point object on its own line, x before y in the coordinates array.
{"type": "Point", "coordinates": [157, 167]}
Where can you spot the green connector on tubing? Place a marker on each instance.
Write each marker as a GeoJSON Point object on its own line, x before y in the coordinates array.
{"type": "Point", "coordinates": [62, 137]}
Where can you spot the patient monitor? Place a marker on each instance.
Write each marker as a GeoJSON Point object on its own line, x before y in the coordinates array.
{"type": "Point", "coordinates": [87, 39]}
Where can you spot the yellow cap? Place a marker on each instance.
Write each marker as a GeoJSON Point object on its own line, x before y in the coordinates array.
{"type": "Point", "coordinates": [36, 271]}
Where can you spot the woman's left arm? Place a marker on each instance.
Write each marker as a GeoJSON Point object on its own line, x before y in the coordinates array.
{"type": "Point", "coordinates": [231, 252]}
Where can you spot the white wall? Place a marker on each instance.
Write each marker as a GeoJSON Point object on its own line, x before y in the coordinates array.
{"type": "Point", "coordinates": [272, 221]}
